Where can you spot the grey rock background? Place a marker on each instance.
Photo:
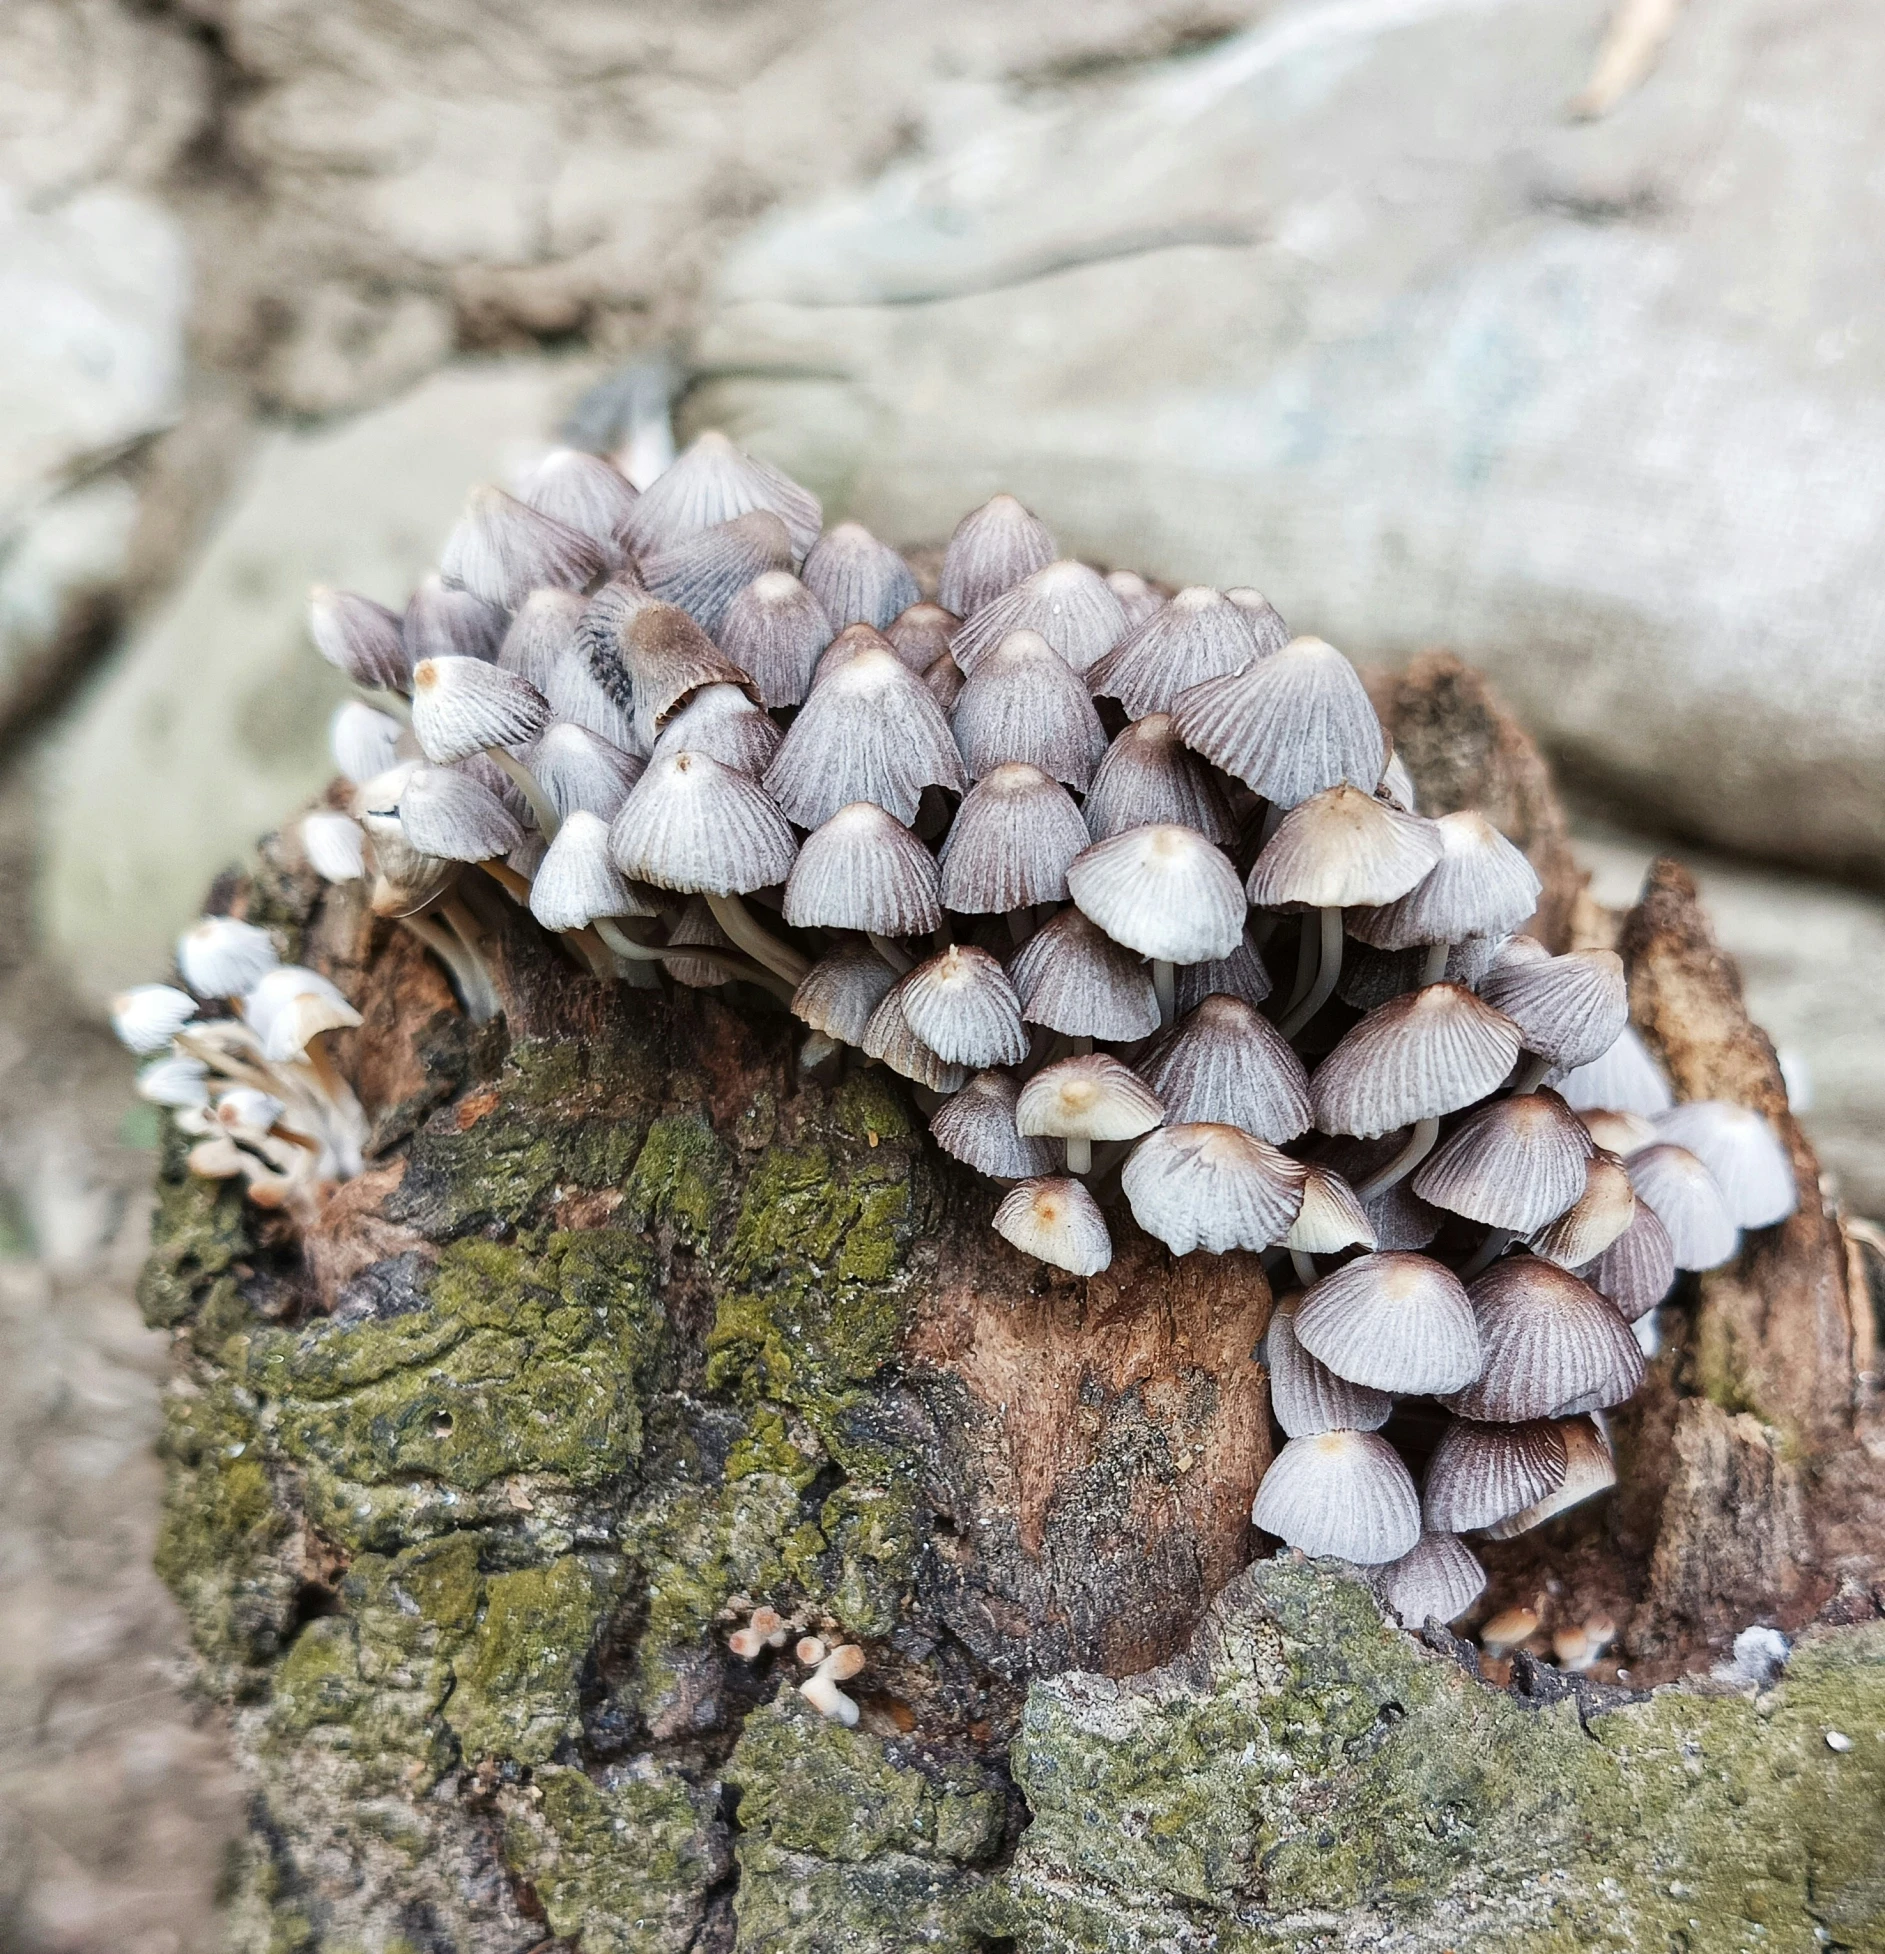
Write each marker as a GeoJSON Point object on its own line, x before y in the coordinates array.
{"type": "Point", "coordinates": [1329, 294]}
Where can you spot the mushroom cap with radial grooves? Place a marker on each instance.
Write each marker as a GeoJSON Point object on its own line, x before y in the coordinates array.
{"type": "Point", "coordinates": [1147, 777]}
{"type": "Point", "coordinates": [1241, 974]}
{"type": "Point", "coordinates": [1589, 1469]}
{"type": "Point", "coordinates": [335, 845]}
{"type": "Point", "coordinates": [1162, 890]}
{"type": "Point", "coordinates": [1090, 1097]}
{"type": "Point", "coordinates": [1011, 843]}
{"type": "Point", "coordinates": [1625, 1079]}
{"type": "Point", "coordinates": [447, 814]}
{"type": "Point", "coordinates": [703, 573]}
{"type": "Point", "coordinates": [1227, 1065]}
{"type": "Point", "coordinates": [442, 623]}
{"type": "Point", "coordinates": [1332, 1218]}
{"type": "Point", "coordinates": [1638, 1269]}
{"type": "Point", "coordinates": [921, 634]}
{"type": "Point", "coordinates": [1481, 886]}
{"type": "Point", "coordinates": [891, 1037]}
{"type": "Point", "coordinates": [1599, 1215]}
{"type": "Point", "coordinates": [359, 636]}
{"type": "Point", "coordinates": [868, 731]}
{"type": "Point", "coordinates": [364, 743]}
{"type": "Point", "coordinates": [1137, 598]}
{"type": "Point", "coordinates": [502, 550]}
{"type": "Point", "coordinates": [1436, 1581]}
{"type": "Point", "coordinates": [579, 769]}
{"type": "Point", "coordinates": [1288, 726]}
{"type": "Point", "coordinates": [1211, 1187]}
{"type": "Point", "coordinates": [1393, 1321]}
{"type": "Point", "coordinates": [1068, 603]}
{"type": "Point", "coordinates": [864, 870]}
{"type": "Point", "coordinates": [1740, 1148]}
{"type": "Point", "coordinates": [1072, 977]}
{"type": "Point", "coordinates": [583, 492]}
{"type": "Point", "coordinates": [1554, 1347]}
{"type": "Point", "coordinates": [542, 635]}
{"type": "Point", "coordinates": [857, 579]}
{"type": "Point", "coordinates": [601, 637]}
{"type": "Point", "coordinates": [1306, 1396]}
{"type": "Point", "coordinates": [1370, 977]}
{"type": "Point", "coordinates": [148, 1016]}
{"type": "Point", "coordinates": [1688, 1201]}
{"type": "Point", "coordinates": [1345, 1494]}
{"type": "Point", "coordinates": [1199, 636]}
{"type": "Point", "coordinates": [992, 549]}
{"type": "Point", "coordinates": [1570, 1009]}
{"type": "Point", "coordinates": [962, 1006]}
{"type": "Point", "coordinates": [1482, 1474]}
{"type": "Point", "coordinates": [690, 823]}
{"type": "Point", "coordinates": [1056, 1221]}
{"type": "Point", "coordinates": [462, 705]}
{"type": "Point", "coordinates": [841, 991]}
{"type": "Point", "coordinates": [1416, 1057]}
{"type": "Point", "coordinates": [577, 881]}
{"type": "Point", "coordinates": [711, 482]}
{"type": "Point", "coordinates": [697, 928]}
{"type": "Point", "coordinates": [722, 721]}
{"type": "Point", "coordinates": [668, 658]}
{"type": "Point", "coordinates": [1021, 702]}
{"type": "Point", "coordinates": [774, 630]}
{"type": "Point", "coordinates": [976, 1126]}
{"type": "Point", "coordinates": [849, 642]}
{"type": "Point", "coordinates": [577, 695]}
{"type": "Point", "coordinates": [1266, 620]}
{"type": "Point", "coordinates": [1342, 847]}
{"type": "Point", "coordinates": [1517, 1163]}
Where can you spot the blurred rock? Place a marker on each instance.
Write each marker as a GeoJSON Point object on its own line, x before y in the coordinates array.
{"type": "Point", "coordinates": [1350, 308]}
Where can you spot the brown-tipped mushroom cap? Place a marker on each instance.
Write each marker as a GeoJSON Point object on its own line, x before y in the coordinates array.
{"type": "Point", "coordinates": [977, 1127]}
{"type": "Point", "coordinates": [668, 658]}
{"type": "Point", "coordinates": [869, 731]}
{"type": "Point", "coordinates": [1481, 886]}
{"type": "Point", "coordinates": [579, 769]}
{"type": "Point", "coordinates": [1589, 1469]}
{"type": "Point", "coordinates": [1073, 977]}
{"type": "Point", "coordinates": [891, 1037]}
{"type": "Point", "coordinates": [1068, 603]}
{"type": "Point", "coordinates": [1437, 1581]}
{"type": "Point", "coordinates": [449, 815]}
{"type": "Point", "coordinates": [359, 636]}
{"type": "Point", "coordinates": [1342, 847]}
{"type": "Point", "coordinates": [962, 1006]}
{"type": "Point", "coordinates": [1022, 702]}
{"type": "Point", "coordinates": [1341, 1493]}
{"type": "Point", "coordinates": [841, 991]}
{"type": "Point", "coordinates": [1515, 1164]}
{"type": "Point", "coordinates": [1332, 1217]}
{"type": "Point", "coordinates": [1227, 1065]}
{"type": "Point", "coordinates": [1011, 843]}
{"type": "Point", "coordinates": [922, 635]}
{"type": "Point", "coordinates": [864, 870]}
{"type": "Point", "coordinates": [712, 482]}
{"type": "Point", "coordinates": [577, 880]}
{"type": "Point", "coordinates": [857, 579]}
{"type": "Point", "coordinates": [1481, 1474]}
{"type": "Point", "coordinates": [1554, 1346]}
{"type": "Point", "coordinates": [992, 549]}
{"type": "Point", "coordinates": [1163, 891]}
{"type": "Point", "coordinates": [1090, 1097]}
{"type": "Point", "coordinates": [705, 571]}
{"type": "Point", "coordinates": [1056, 1221]}
{"type": "Point", "coordinates": [690, 823]}
{"type": "Point", "coordinates": [1149, 777]}
{"type": "Point", "coordinates": [1736, 1144]}
{"type": "Point", "coordinates": [1289, 725]}
{"type": "Point", "coordinates": [1415, 1058]}
{"type": "Point", "coordinates": [462, 705]}
{"type": "Point", "coordinates": [1569, 1008]}
{"type": "Point", "coordinates": [774, 630]}
{"type": "Point", "coordinates": [502, 550]}
{"type": "Point", "coordinates": [1241, 974]}
{"type": "Point", "coordinates": [1199, 635]}
{"type": "Point", "coordinates": [1688, 1201]}
{"type": "Point", "coordinates": [1594, 1220]}
{"type": "Point", "coordinates": [722, 722]}
{"type": "Point", "coordinates": [1306, 1396]}
{"type": "Point", "coordinates": [1624, 1079]}
{"type": "Point", "coordinates": [1393, 1321]}
{"type": "Point", "coordinates": [1211, 1187]}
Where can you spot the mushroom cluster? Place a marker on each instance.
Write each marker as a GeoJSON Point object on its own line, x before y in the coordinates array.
{"type": "Point", "coordinates": [1130, 887]}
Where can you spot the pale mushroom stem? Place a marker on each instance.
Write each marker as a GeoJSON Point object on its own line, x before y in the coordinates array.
{"type": "Point", "coordinates": [474, 987]}
{"type": "Point", "coordinates": [1433, 965]}
{"type": "Point", "coordinates": [736, 919]}
{"type": "Point", "coordinates": [890, 953]}
{"type": "Point", "coordinates": [1079, 1156]}
{"type": "Point", "coordinates": [1531, 1075]}
{"type": "Point", "coordinates": [395, 705]}
{"type": "Point", "coordinates": [635, 953]}
{"type": "Point", "coordinates": [1328, 969]}
{"type": "Point", "coordinates": [1165, 984]}
{"type": "Point", "coordinates": [526, 784]}
{"type": "Point", "coordinates": [514, 885]}
{"type": "Point", "coordinates": [1419, 1145]}
{"type": "Point", "coordinates": [1304, 1265]}
{"type": "Point", "coordinates": [464, 926]}
{"type": "Point", "coordinates": [1497, 1241]}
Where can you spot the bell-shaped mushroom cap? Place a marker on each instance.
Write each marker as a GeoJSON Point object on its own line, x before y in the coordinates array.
{"type": "Point", "coordinates": [1022, 702]}
{"type": "Point", "coordinates": [869, 731]}
{"type": "Point", "coordinates": [1342, 847]}
{"type": "Point", "coordinates": [774, 630]}
{"type": "Point", "coordinates": [359, 636]}
{"type": "Point", "coordinates": [1589, 1469]}
{"type": "Point", "coordinates": [841, 991]}
{"type": "Point", "coordinates": [1515, 1164]}
{"type": "Point", "coordinates": [1090, 1097]}
{"type": "Point", "coordinates": [1481, 886]}
{"type": "Point", "coordinates": [584, 493]}
{"type": "Point", "coordinates": [1199, 635]}
{"type": "Point", "coordinates": [857, 579]}
{"type": "Point", "coordinates": [697, 928]}
{"type": "Point", "coordinates": [1137, 597]}
{"type": "Point", "coordinates": [577, 881]}
{"type": "Point", "coordinates": [891, 1037]}
{"type": "Point", "coordinates": [445, 813]}
{"type": "Point", "coordinates": [1211, 1187]}
{"type": "Point", "coordinates": [290, 1006]}
{"type": "Point", "coordinates": [364, 743]}
{"type": "Point", "coordinates": [1162, 890]}
{"type": "Point", "coordinates": [178, 1080]}
{"type": "Point", "coordinates": [849, 642]}
{"type": "Point", "coordinates": [1415, 1058]}
{"type": "Point", "coordinates": [992, 549]}
{"type": "Point", "coordinates": [1306, 1396]}
{"type": "Point", "coordinates": [542, 635]}
{"type": "Point", "coordinates": [1599, 1215]}
{"type": "Point", "coordinates": [1265, 619]}
{"type": "Point", "coordinates": [1345, 1494]}
{"type": "Point", "coordinates": [1688, 1201]}
{"type": "Point", "coordinates": [442, 623]}
{"type": "Point", "coordinates": [1397, 785]}
{"type": "Point", "coordinates": [1481, 1474]}
{"type": "Point", "coordinates": [1228, 1066]}
{"type": "Point", "coordinates": [1011, 843]}
{"type": "Point", "coordinates": [1750, 1163]}
{"type": "Point", "coordinates": [1394, 1321]}
{"type": "Point", "coordinates": [1620, 1133]}
{"type": "Point", "coordinates": [1057, 1221]}
{"type": "Point", "coordinates": [1554, 1346]}
{"type": "Point", "coordinates": [1569, 1009]}
{"type": "Point", "coordinates": [962, 1006]}
{"type": "Point", "coordinates": [1068, 603]}
{"type": "Point", "coordinates": [922, 634]}
{"type": "Point", "coordinates": [712, 482]}
{"type": "Point", "coordinates": [1638, 1269]}
{"type": "Point", "coordinates": [1241, 974]}
{"type": "Point", "coordinates": [148, 1016]}
{"type": "Point", "coordinates": [460, 706]}
{"type": "Point", "coordinates": [579, 769]}
{"type": "Point", "coordinates": [705, 571]}
{"type": "Point", "coordinates": [1288, 726]}
{"type": "Point", "coordinates": [1624, 1079]}
{"type": "Point", "coordinates": [1436, 1581]}
{"type": "Point", "coordinates": [977, 1127]}
{"type": "Point", "coordinates": [721, 721]}
{"type": "Point", "coordinates": [1332, 1217]}
{"type": "Point", "coordinates": [668, 658]}
{"type": "Point", "coordinates": [1072, 977]}
{"type": "Point", "coordinates": [1147, 777]}
{"type": "Point", "coordinates": [502, 550]}
{"type": "Point", "coordinates": [863, 870]}
{"type": "Point", "coordinates": [689, 823]}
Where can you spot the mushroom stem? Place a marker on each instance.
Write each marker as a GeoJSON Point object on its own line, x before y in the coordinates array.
{"type": "Point", "coordinates": [891, 955]}
{"type": "Point", "coordinates": [1328, 969]}
{"type": "Point", "coordinates": [736, 919]}
{"type": "Point", "coordinates": [635, 953]}
{"type": "Point", "coordinates": [1079, 1156]}
{"type": "Point", "coordinates": [1531, 1075]}
{"type": "Point", "coordinates": [1165, 983]}
{"type": "Point", "coordinates": [1433, 964]}
{"type": "Point", "coordinates": [474, 987]}
{"type": "Point", "coordinates": [1304, 1265]}
{"type": "Point", "coordinates": [595, 954]}
{"type": "Point", "coordinates": [1419, 1146]}
{"type": "Point", "coordinates": [464, 926]}
{"type": "Point", "coordinates": [526, 784]}
{"type": "Point", "coordinates": [1497, 1241]}
{"type": "Point", "coordinates": [514, 885]}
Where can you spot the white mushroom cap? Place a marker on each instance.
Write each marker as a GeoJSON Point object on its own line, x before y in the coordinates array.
{"type": "Point", "coordinates": [1163, 891]}
{"type": "Point", "coordinates": [992, 549]}
{"type": "Point", "coordinates": [176, 1080]}
{"type": "Point", "coordinates": [453, 817]}
{"type": "Point", "coordinates": [857, 579]}
{"type": "Point", "coordinates": [1340, 848]}
{"type": "Point", "coordinates": [1570, 1009]}
{"type": "Point", "coordinates": [147, 1017]}
{"type": "Point", "coordinates": [1554, 1346]}
{"type": "Point", "coordinates": [1437, 1581]}
{"type": "Point", "coordinates": [290, 1005]}
{"type": "Point", "coordinates": [359, 636]}
{"type": "Point", "coordinates": [1599, 1215]}
{"type": "Point", "coordinates": [442, 623]}
{"type": "Point", "coordinates": [1332, 1218]}
{"type": "Point", "coordinates": [703, 572]}
{"type": "Point", "coordinates": [666, 657]}
{"type": "Point", "coordinates": [1136, 596]}
{"type": "Point", "coordinates": [1638, 1269]}
{"type": "Point", "coordinates": [1482, 1474]}
{"type": "Point", "coordinates": [364, 743]}
{"type": "Point", "coordinates": [1305, 1395]}
{"type": "Point", "coordinates": [840, 993]}
{"type": "Point", "coordinates": [583, 492]}
{"type": "Point", "coordinates": [502, 550]}
{"type": "Point", "coordinates": [577, 880]}
{"type": "Point", "coordinates": [1345, 1494]}
{"type": "Point", "coordinates": [335, 845]}
{"type": "Point", "coordinates": [1416, 1057]}
{"type": "Point", "coordinates": [578, 768]}
{"type": "Point", "coordinates": [1623, 1079]}
{"type": "Point", "coordinates": [1481, 886]}
{"type": "Point", "coordinates": [1740, 1148]}
{"type": "Point", "coordinates": [1091, 1097]}
{"type": "Point", "coordinates": [1393, 1321]}
{"type": "Point", "coordinates": [1023, 702]}
{"type": "Point", "coordinates": [721, 721]}
{"type": "Point", "coordinates": [690, 823]}
{"type": "Point", "coordinates": [711, 482]}
{"type": "Point", "coordinates": [1056, 1221]}
{"type": "Point", "coordinates": [1069, 603]}
{"type": "Point", "coordinates": [864, 870]}
{"type": "Point", "coordinates": [921, 634]}
{"type": "Point", "coordinates": [1688, 1201]}
{"type": "Point", "coordinates": [460, 706]}
{"type": "Point", "coordinates": [1212, 1187]}
{"type": "Point", "coordinates": [1517, 1163]}
{"type": "Point", "coordinates": [1199, 635]}
{"type": "Point", "coordinates": [542, 636]}
{"type": "Point", "coordinates": [977, 1127]}
{"type": "Point", "coordinates": [891, 1037]}
{"type": "Point", "coordinates": [962, 1006]}
{"type": "Point", "coordinates": [221, 956]}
